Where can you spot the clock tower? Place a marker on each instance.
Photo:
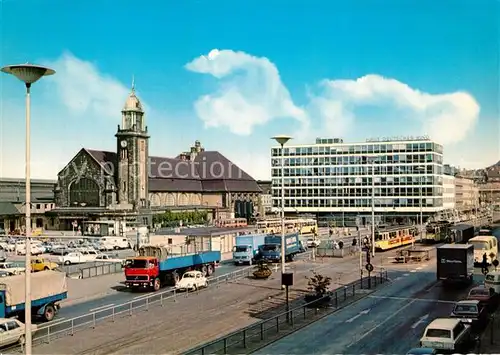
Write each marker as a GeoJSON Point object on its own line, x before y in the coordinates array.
{"type": "Point", "coordinates": [132, 151]}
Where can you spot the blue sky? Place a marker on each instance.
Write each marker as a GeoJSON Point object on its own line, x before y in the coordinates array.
{"type": "Point", "coordinates": [354, 69]}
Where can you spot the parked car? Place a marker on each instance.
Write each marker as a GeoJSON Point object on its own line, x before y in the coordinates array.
{"type": "Point", "coordinates": [470, 312]}
{"type": "Point", "coordinates": [40, 264]}
{"type": "Point", "coordinates": [12, 331]}
{"type": "Point", "coordinates": [109, 258]}
{"type": "Point", "coordinates": [72, 258]}
{"type": "Point", "coordinates": [191, 281]}
{"type": "Point", "coordinates": [447, 334]}
{"type": "Point", "coordinates": [313, 242]}
{"type": "Point", "coordinates": [11, 268]}
{"type": "Point", "coordinates": [487, 297]}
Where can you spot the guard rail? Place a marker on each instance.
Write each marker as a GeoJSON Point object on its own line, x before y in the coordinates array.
{"type": "Point", "coordinates": [49, 332]}
{"type": "Point", "coordinates": [99, 270]}
{"type": "Point", "coordinates": [255, 336]}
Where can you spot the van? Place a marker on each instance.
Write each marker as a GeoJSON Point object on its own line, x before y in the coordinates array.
{"type": "Point", "coordinates": [492, 281]}
{"type": "Point", "coordinates": [114, 243]}
{"type": "Point", "coordinates": [484, 244]}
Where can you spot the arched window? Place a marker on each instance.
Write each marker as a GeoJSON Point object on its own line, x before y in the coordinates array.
{"type": "Point", "coordinates": [84, 193]}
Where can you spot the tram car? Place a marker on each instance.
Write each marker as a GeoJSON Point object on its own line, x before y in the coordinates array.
{"type": "Point", "coordinates": [436, 232]}
{"type": "Point", "coordinates": [394, 237]}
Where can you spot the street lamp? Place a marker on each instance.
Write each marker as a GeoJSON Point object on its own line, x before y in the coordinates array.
{"type": "Point", "coordinates": [28, 74]}
{"type": "Point", "coordinates": [421, 169]}
{"type": "Point", "coordinates": [281, 140]}
{"type": "Point", "coordinates": [373, 206]}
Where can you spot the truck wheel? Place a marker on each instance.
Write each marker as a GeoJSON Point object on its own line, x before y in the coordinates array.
{"type": "Point", "coordinates": [156, 284]}
{"type": "Point", "coordinates": [210, 270]}
{"type": "Point", "coordinates": [204, 270]}
{"type": "Point", "coordinates": [175, 277]}
{"type": "Point", "coordinates": [67, 262]}
{"type": "Point", "coordinates": [49, 313]}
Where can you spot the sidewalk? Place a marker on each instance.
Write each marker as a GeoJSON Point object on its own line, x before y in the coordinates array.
{"type": "Point", "coordinates": [83, 290]}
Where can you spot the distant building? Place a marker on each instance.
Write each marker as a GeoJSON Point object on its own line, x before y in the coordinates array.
{"type": "Point", "coordinates": [12, 206]}
{"type": "Point", "coordinates": [333, 177]}
{"type": "Point", "coordinates": [449, 193]}
{"type": "Point", "coordinates": [130, 184]}
{"type": "Point", "coordinates": [466, 193]}
{"type": "Point", "coordinates": [266, 198]}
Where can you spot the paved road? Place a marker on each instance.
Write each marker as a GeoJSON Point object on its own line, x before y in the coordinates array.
{"type": "Point", "coordinates": [122, 295]}
{"type": "Point", "coordinates": [391, 321]}
{"type": "Point", "coordinates": [197, 318]}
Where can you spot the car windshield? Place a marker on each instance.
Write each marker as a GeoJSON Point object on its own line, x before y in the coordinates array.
{"type": "Point", "coordinates": [240, 249]}
{"type": "Point", "coordinates": [465, 309]}
{"type": "Point", "coordinates": [479, 245]}
{"type": "Point", "coordinates": [188, 276]}
{"type": "Point", "coordinates": [270, 247]}
{"type": "Point", "coordinates": [136, 264]}
{"type": "Point", "coordinates": [478, 292]}
{"type": "Point", "coordinates": [438, 333]}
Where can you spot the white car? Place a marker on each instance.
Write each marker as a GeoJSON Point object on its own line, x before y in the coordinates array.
{"type": "Point", "coordinates": [446, 334]}
{"type": "Point", "coordinates": [72, 258]}
{"type": "Point", "coordinates": [12, 331]}
{"type": "Point", "coordinates": [191, 281]}
{"type": "Point", "coordinates": [11, 268]}
{"type": "Point", "coordinates": [35, 250]}
{"type": "Point", "coordinates": [109, 259]}
{"type": "Point", "coordinates": [313, 242]}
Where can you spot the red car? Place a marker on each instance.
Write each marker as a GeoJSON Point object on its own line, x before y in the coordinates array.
{"type": "Point", "coordinates": [486, 297]}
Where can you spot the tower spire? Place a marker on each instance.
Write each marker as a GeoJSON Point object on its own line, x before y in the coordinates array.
{"type": "Point", "coordinates": [133, 83]}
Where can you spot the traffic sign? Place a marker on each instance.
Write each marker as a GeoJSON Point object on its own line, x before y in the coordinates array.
{"type": "Point", "coordinates": [495, 263]}
{"type": "Point", "coordinates": [369, 267]}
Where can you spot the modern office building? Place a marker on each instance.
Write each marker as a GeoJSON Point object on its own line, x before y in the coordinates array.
{"type": "Point", "coordinates": [466, 193]}
{"type": "Point", "coordinates": [449, 193]}
{"type": "Point", "coordinates": [404, 174]}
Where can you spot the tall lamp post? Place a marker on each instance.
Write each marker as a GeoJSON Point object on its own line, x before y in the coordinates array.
{"type": "Point", "coordinates": [282, 140]}
{"type": "Point", "coordinates": [373, 206]}
{"type": "Point", "coordinates": [421, 229]}
{"type": "Point", "coordinates": [28, 74]}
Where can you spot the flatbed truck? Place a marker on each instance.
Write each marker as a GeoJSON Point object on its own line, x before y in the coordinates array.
{"type": "Point", "coordinates": [48, 288]}
{"type": "Point", "coordinates": [155, 268]}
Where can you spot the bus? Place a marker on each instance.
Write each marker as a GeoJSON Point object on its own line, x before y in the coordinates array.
{"type": "Point", "coordinates": [436, 232]}
{"type": "Point", "coordinates": [231, 223]}
{"type": "Point", "coordinates": [394, 237]}
{"type": "Point", "coordinates": [484, 244]}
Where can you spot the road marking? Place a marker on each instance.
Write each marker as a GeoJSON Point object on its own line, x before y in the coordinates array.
{"type": "Point", "coordinates": [365, 312]}
{"type": "Point", "coordinates": [420, 321]}
{"type": "Point", "coordinates": [406, 274]}
{"type": "Point", "coordinates": [101, 308]}
{"type": "Point", "coordinates": [397, 278]}
{"type": "Point", "coordinates": [419, 268]}
{"type": "Point", "coordinates": [412, 299]}
{"type": "Point", "coordinates": [382, 323]}
{"type": "Point", "coordinates": [413, 271]}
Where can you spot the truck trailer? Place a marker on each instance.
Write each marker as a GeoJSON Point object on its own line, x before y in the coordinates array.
{"type": "Point", "coordinates": [48, 288]}
{"type": "Point", "coordinates": [271, 250]}
{"type": "Point", "coordinates": [246, 249]}
{"type": "Point", "coordinates": [155, 268]}
{"type": "Point", "coordinates": [460, 233]}
{"type": "Point", "coordinates": [455, 263]}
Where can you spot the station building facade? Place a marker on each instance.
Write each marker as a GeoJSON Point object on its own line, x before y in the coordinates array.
{"type": "Point", "coordinates": [131, 184]}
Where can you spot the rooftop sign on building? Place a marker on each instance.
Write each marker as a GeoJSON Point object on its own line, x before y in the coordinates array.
{"type": "Point", "coordinates": [398, 139]}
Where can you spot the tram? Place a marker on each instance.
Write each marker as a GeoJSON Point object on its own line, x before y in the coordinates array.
{"type": "Point", "coordinates": [436, 232]}
{"type": "Point", "coordinates": [394, 237]}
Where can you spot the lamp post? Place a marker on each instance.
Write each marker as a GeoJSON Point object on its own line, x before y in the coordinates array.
{"type": "Point", "coordinates": [373, 207]}
{"type": "Point", "coordinates": [281, 140]}
{"type": "Point", "coordinates": [421, 228]}
{"type": "Point", "coordinates": [28, 74]}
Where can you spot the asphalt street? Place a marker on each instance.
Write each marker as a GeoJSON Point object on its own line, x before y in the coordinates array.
{"type": "Point", "coordinates": [123, 295]}
{"type": "Point", "coordinates": [390, 321]}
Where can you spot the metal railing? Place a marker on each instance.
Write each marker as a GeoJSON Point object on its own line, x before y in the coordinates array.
{"type": "Point", "coordinates": [337, 253]}
{"type": "Point", "coordinates": [255, 336]}
{"type": "Point", "coordinates": [48, 332]}
{"type": "Point", "coordinates": [99, 270]}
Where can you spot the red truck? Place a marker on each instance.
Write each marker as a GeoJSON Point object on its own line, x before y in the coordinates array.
{"type": "Point", "coordinates": [154, 268]}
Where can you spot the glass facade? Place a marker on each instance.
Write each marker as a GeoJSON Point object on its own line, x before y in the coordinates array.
{"type": "Point", "coordinates": [84, 192]}
{"type": "Point", "coordinates": [333, 177]}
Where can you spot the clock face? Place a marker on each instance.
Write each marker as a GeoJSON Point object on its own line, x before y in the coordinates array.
{"type": "Point", "coordinates": [123, 143]}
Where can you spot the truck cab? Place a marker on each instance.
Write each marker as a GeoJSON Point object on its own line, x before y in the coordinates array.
{"type": "Point", "coordinates": [271, 252]}
{"type": "Point", "coordinates": [142, 271]}
{"type": "Point", "coordinates": [243, 254]}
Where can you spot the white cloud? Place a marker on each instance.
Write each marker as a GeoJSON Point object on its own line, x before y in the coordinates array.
{"type": "Point", "coordinates": [250, 92]}
{"type": "Point", "coordinates": [74, 108]}
{"type": "Point", "coordinates": [447, 118]}
{"type": "Point", "coordinates": [83, 89]}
